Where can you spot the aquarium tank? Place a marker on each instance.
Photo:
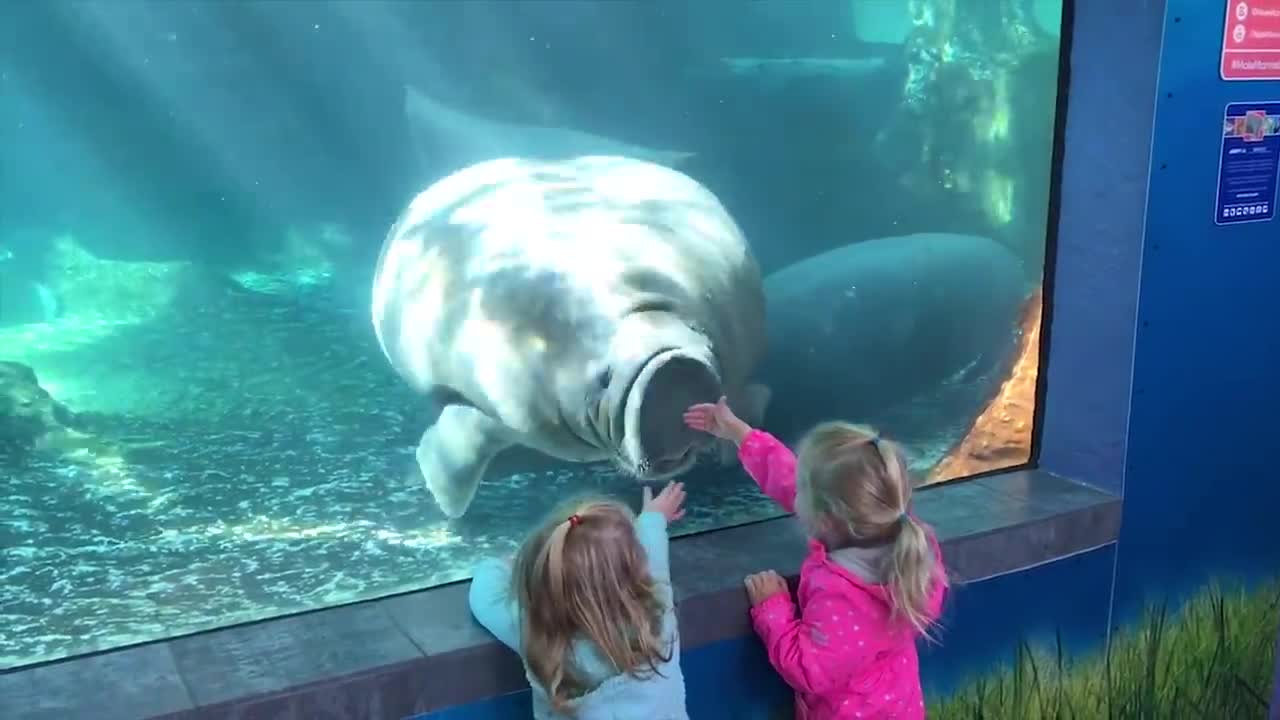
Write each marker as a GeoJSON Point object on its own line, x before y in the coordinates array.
{"type": "Point", "coordinates": [199, 423]}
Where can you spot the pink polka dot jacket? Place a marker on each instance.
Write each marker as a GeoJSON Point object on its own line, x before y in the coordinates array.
{"type": "Point", "coordinates": [839, 649]}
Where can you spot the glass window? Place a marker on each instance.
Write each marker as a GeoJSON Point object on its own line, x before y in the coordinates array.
{"type": "Point", "coordinates": [218, 392]}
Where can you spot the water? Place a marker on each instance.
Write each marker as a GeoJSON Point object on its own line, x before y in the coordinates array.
{"type": "Point", "coordinates": [192, 203]}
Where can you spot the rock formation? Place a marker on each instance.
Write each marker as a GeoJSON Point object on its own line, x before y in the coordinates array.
{"type": "Point", "coordinates": [30, 419]}
{"type": "Point", "coordinates": [1001, 436]}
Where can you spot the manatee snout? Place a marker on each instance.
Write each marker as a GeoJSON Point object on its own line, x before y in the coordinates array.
{"type": "Point", "coordinates": [657, 442]}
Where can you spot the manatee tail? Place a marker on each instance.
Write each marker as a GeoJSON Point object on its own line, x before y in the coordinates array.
{"type": "Point", "coordinates": [674, 158]}
{"type": "Point", "coordinates": [436, 128]}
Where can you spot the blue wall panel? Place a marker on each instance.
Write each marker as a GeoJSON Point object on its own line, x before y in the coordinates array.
{"type": "Point", "coordinates": [507, 707]}
{"type": "Point", "coordinates": [1200, 491]}
{"type": "Point", "coordinates": [1111, 98]}
{"type": "Point", "coordinates": [733, 679]}
{"type": "Point", "coordinates": [985, 621]}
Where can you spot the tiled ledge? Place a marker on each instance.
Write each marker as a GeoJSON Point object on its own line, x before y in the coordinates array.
{"type": "Point", "coordinates": [419, 652]}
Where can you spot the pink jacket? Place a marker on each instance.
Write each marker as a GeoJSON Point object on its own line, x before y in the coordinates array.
{"type": "Point", "coordinates": [842, 655]}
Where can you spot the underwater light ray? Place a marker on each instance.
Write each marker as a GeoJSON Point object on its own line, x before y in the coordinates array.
{"type": "Point", "coordinates": [233, 160]}
{"type": "Point", "coordinates": [38, 131]}
{"type": "Point", "coordinates": [518, 37]}
{"type": "Point", "coordinates": [65, 165]}
{"type": "Point", "coordinates": [384, 35]}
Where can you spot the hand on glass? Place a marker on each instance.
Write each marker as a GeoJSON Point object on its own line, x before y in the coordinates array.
{"type": "Point", "coordinates": [717, 420]}
{"type": "Point", "coordinates": [669, 502]}
{"type": "Point", "coordinates": [763, 585]}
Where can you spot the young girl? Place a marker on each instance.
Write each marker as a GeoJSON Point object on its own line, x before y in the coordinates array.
{"type": "Point", "coordinates": [589, 608]}
{"type": "Point", "coordinates": [873, 580]}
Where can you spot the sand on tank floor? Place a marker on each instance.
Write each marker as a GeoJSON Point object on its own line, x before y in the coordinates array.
{"type": "Point", "coordinates": [267, 470]}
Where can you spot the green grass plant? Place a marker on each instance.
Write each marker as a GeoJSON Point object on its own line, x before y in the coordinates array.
{"type": "Point", "coordinates": [1213, 658]}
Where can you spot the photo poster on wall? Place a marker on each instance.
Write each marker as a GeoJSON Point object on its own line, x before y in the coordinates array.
{"type": "Point", "coordinates": [1251, 40]}
{"type": "Point", "coordinates": [1249, 166]}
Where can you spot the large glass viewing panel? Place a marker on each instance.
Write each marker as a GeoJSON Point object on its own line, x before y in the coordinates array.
{"type": "Point", "coordinates": [199, 425]}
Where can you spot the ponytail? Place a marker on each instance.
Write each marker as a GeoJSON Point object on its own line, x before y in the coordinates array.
{"type": "Point", "coordinates": [553, 555]}
{"type": "Point", "coordinates": [911, 565]}
{"type": "Point", "coordinates": [547, 651]}
{"type": "Point", "coordinates": [911, 574]}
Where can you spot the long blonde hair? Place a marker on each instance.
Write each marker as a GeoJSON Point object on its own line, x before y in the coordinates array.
{"type": "Point", "coordinates": [854, 489]}
{"type": "Point", "coordinates": [585, 574]}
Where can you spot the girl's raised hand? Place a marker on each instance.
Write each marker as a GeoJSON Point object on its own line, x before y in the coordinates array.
{"type": "Point", "coordinates": [717, 420]}
{"type": "Point", "coordinates": [669, 502]}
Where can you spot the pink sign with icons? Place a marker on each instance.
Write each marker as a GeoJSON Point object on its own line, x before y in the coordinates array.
{"type": "Point", "coordinates": [1251, 40]}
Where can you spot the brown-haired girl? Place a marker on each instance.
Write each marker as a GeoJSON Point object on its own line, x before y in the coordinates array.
{"type": "Point", "coordinates": [588, 606]}
{"type": "Point", "coordinates": [873, 580]}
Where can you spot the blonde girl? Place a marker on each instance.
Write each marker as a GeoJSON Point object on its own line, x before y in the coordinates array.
{"type": "Point", "coordinates": [872, 583]}
{"type": "Point", "coordinates": [588, 605]}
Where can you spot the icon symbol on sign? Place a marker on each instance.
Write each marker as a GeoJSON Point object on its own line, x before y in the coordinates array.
{"type": "Point", "coordinates": [1238, 34]}
{"type": "Point", "coordinates": [1242, 11]}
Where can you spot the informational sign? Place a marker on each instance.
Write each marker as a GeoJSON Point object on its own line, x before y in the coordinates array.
{"type": "Point", "coordinates": [1251, 41]}
{"type": "Point", "coordinates": [1249, 168]}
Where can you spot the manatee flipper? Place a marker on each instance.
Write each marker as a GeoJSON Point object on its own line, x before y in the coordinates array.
{"type": "Point", "coordinates": [454, 452]}
{"type": "Point", "coordinates": [749, 405]}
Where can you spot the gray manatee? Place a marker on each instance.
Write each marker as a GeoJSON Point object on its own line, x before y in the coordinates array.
{"type": "Point", "coordinates": [575, 308]}
{"type": "Point", "coordinates": [854, 331]}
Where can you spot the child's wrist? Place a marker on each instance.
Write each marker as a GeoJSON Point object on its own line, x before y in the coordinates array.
{"type": "Point", "coordinates": [654, 511]}
{"type": "Point", "coordinates": [774, 597]}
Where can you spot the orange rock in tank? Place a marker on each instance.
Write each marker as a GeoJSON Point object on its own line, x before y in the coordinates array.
{"type": "Point", "coordinates": [1001, 436]}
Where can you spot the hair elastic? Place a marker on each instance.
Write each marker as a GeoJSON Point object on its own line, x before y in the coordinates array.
{"type": "Point", "coordinates": [575, 520]}
{"type": "Point", "coordinates": [903, 517]}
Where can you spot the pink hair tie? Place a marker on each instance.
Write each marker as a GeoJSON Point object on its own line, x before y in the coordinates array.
{"type": "Point", "coordinates": [575, 520]}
